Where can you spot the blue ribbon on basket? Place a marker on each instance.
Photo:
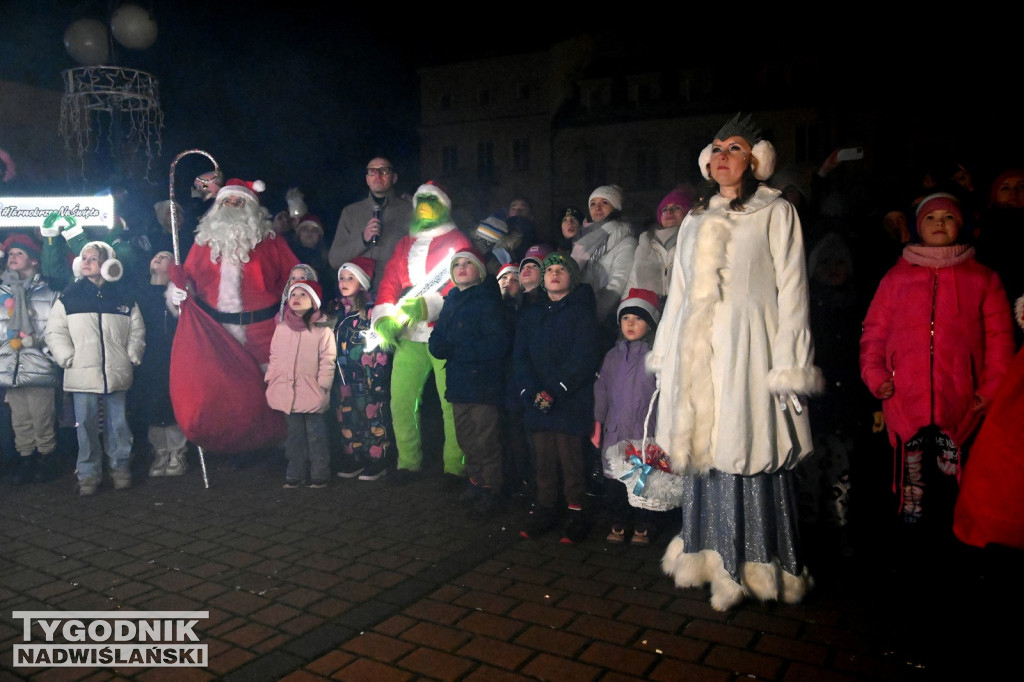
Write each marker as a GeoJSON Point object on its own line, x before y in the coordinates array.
{"type": "Point", "coordinates": [638, 468]}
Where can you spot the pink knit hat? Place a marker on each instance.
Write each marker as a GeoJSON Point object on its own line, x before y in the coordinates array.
{"type": "Point", "coordinates": [940, 201]}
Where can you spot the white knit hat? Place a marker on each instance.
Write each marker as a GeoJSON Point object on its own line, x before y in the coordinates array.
{"type": "Point", "coordinates": [613, 193]}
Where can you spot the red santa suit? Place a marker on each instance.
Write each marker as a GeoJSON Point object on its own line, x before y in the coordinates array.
{"type": "Point", "coordinates": [216, 380]}
{"type": "Point", "coordinates": [413, 258]}
{"type": "Point", "coordinates": [245, 296]}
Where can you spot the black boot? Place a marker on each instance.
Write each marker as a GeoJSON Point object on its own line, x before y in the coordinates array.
{"type": "Point", "coordinates": [44, 468]}
{"type": "Point", "coordinates": [24, 470]}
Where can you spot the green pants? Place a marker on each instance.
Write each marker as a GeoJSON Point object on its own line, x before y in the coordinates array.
{"type": "Point", "coordinates": [412, 366]}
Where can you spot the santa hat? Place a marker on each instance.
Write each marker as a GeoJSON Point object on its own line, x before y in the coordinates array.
{"type": "Point", "coordinates": [492, 228]}
{"type": "Point", "coordinates": [613, 193]}
{"type": "Point", "coordinates": [431, 188]}
{"type": "Point", "coordinates": [507, 268]}
{"type": "Point", "coordinates": [111, 270]}
{"type": "Point", "coordinates": [245, 189]}
{"type": "Point", "coordinates": [473, 255]}
{"type": "Point", "coordinates": [940, 201]}
{"type": "Point", "coordinates": [536, 254]}
{"type": "Point", "coordinates": [644, 304]}
{"type": "Point", "coordinates": [312, 288]}
{"type": "Point", "coordinates": [23, 242]}
{"type": "Point", "coordinates": [362, 268]}
{"type": "Point", "coordinates": [310, 220]}
{"type": "Point", "coordinates": [762, 151]}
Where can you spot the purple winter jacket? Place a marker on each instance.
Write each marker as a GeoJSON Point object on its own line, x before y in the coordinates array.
{"type": "Point", "coordinates": [623, 393]}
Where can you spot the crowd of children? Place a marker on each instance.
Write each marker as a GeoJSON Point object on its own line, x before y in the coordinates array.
{"type": "Point", "coordinates": [535, 386]}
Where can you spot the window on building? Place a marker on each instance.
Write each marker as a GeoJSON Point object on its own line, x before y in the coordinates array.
{"type": "Point", "coordinates": [643, 90]}
{"type": "Point", "coordinates": [807, 142]}
{"type": "Point", "coordinates": [449, 159]}
{"type": "Point", "coordinates": [596, 94]}
{"type": "Point", "coordinates": [521, 154]}
{"type": "Point", "coordinates": [596, 168]}
{"type": "Point", "coordinates": [648, 170]}
{"type": "Point", "coordinates": [485, 160]}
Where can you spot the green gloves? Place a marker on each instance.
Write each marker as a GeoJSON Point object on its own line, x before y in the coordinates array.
{"type": "Point", "coordinates": [388, 328]}
{"type": "Point", "coordinates": [415, 309]}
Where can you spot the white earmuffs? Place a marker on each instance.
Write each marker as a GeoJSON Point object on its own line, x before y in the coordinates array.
{"type": "Point", "coordinates": [763, 160]}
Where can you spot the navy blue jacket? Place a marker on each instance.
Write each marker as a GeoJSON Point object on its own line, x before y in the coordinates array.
{"type": "Point", "coordinates": [558, 350]}
{"type": "Point", "coordinates": [474, 338]}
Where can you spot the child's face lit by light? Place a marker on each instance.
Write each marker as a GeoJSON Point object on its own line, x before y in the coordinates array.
{"type": "Point", "coordinates": [299, 300]}
{"type": "Point", "coordinates": [348, 285]}
{"type": "Point", "coordinates": [633, 327]}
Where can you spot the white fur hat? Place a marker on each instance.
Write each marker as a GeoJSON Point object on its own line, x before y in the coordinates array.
{"type": "Point", "coordinates": [111, 270]}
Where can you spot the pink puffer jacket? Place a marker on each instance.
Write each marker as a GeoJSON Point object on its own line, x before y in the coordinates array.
{"type": "Point", "coordinates": [936, 378]}
{"type": "Point", "coordinates": [301, 368]}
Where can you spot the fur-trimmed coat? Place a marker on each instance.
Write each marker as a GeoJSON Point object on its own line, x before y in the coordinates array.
{"type": "Point", "coordinates": [652, 263]}
{"type": "Point", "coordinates": [735, 341]}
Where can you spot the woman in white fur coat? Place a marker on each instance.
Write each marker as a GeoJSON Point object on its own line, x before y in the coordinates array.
{"type": "Point", "coordinates": [734, 357]}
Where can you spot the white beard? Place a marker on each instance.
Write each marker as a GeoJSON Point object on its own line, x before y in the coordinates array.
{"type": "Point", "coordinates": [232, 233]}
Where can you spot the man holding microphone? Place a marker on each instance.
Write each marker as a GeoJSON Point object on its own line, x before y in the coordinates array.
{"type": "Point", "coordinates": [372, 227]}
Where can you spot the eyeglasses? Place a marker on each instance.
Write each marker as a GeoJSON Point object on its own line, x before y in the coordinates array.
{"type": "Point", "coordinates": [383, 171]}
{"type": "Point", "coordinates": [672, 208]}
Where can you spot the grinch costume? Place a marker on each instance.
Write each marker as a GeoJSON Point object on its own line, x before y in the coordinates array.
{"type": "Point", "coordinates": [406, 323]}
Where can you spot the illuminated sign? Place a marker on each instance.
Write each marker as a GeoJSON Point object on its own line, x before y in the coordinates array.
{"type": "Point", "coordinates": [90, 211]}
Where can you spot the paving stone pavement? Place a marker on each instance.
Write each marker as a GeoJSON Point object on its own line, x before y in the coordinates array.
{"type": "Point", "coordinates": [366, 581]}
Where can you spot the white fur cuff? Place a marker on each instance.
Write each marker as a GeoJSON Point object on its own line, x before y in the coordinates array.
{"type": "Point", "coordinates": [802, 381]}
{"type": "Point", "coordinates": [652, 363]}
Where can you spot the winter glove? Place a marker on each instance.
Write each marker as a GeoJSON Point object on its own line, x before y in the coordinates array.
{"type": "Point", "coordinates": [49, 228]}
{"type": "Point", "coordinates": [176, 295]}
{"type": "Point", "coordinates": [543, 401]}
{"type": "Point", "coordinates": [173, 296]}
{"type": "Point", "coordinates": [415, 309]}
{"type": "Point", "coordinates": [388, 328]}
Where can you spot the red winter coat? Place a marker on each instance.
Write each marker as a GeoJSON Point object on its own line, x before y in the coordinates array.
{"type": "Point", "coordinates": [936, 378]}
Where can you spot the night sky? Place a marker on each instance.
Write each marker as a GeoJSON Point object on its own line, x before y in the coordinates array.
{"type": "Point", "coordinates": [304, 97]}
{"type": "Point", "coordinates": [299, 98]}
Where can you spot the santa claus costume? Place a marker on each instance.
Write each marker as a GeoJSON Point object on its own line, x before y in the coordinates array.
{"type": "Point", "coordinates": [241, 289]}
{"type": "Point", "coordinates": [230, 287]}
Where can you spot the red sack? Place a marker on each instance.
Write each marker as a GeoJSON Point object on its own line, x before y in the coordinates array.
{"type": "Point", "coordinates": [217, 388]}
